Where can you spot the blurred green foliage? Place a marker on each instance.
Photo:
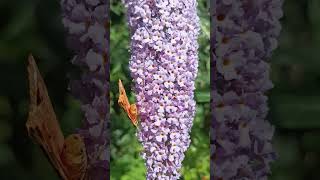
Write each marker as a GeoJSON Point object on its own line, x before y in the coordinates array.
{"type": "Point", "coordinates": [126, 163]}
{"type": "Point", "coordinates": [295, 99]}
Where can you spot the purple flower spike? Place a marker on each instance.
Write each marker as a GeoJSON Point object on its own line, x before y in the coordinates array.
{"type": "Point", "coordinates": [87, 25]}
{"type": "Point", "coordinates": [245, 34]}
{"type": "Point", "coordinates": [163, 66]}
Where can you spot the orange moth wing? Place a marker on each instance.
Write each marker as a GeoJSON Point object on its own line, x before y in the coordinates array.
{"type": "Point", "coordinates": [42, 124]}
{"type": "Point", "coordinates": [130, 109]}
{"type": "Point", "coordinates": [68, 156]}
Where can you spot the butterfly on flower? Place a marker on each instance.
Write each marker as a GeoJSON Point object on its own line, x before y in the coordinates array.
{"type": "Point", "coordinates": [68, 156]}
{"type": "Point", "coordinates": [130, 109]}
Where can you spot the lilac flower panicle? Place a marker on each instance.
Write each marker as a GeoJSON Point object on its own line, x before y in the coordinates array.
{"type": "Point", "coordinates": [163, 66]}
{"type": "Point", "coordinates": [86, 22]}
{"type": "Point", "coordinates": [244, 36]}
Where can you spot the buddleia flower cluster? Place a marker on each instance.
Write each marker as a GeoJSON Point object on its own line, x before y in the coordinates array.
{"type": "Point", "coordinates": [244, 36]}
{"type": "Point", "coordinates": [163, 66]}
{"type": "Point", "coordinates": [87, 24]}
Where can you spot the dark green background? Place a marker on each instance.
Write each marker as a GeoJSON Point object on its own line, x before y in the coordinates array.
{"type": "Point", "coordinates": [35, 26]}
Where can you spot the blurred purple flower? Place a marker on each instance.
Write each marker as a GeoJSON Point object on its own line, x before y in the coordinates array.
{"type": "Point", "coordinates": [86, 22]}
{"type": "Point", "coordinates": [163, 65]}
{"type": "Point", "coordinates": [245, 34]}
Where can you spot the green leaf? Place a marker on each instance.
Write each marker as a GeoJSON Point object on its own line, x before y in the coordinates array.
{"type": "Point", "coordinates": [294, 112]}
{"type": "Point", "coordinates": [202, 97]}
